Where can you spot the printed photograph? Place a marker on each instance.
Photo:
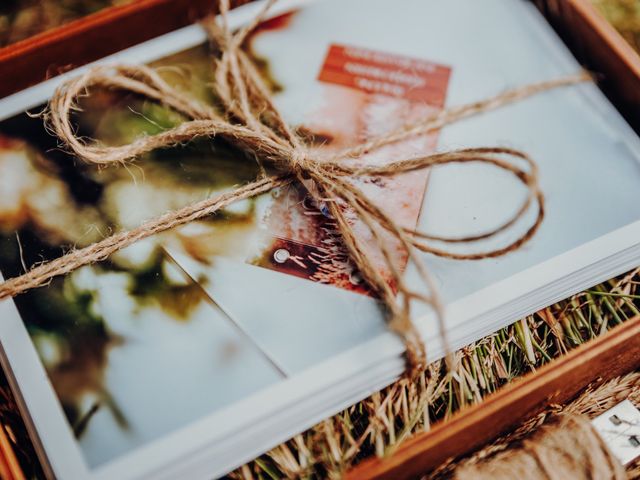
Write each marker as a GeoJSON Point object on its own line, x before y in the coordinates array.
{"type": "Point", "coordinates": [142, 344]}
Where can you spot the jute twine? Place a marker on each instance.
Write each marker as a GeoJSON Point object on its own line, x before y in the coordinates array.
{"type": "Point", "coordinates": [559, 443]}
{"type": "Point", "coordinates": [248, 119]}
{"type": "Point", "coordinates": [566, 447]}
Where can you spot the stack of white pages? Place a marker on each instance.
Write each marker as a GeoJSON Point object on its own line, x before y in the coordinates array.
{"type": "Point", "coordinates": [188, 354]}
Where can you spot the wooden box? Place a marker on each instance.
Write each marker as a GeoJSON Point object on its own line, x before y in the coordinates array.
{"type": "Point", "coordinates": [593, 41]}
{"type": "Point", "coordinates": [597, 45]}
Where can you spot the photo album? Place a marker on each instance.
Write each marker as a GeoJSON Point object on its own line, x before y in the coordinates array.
{"type": "Point", "coordinates": [195, 350]}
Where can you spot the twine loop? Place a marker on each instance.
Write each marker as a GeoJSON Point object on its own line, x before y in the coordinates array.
{"type": "Point", "coordinates": [248, 119]}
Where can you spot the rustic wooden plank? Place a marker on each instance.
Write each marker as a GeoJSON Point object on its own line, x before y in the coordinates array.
{"type": "Point", "coordinates": [87, 39]}
{"type": "Point", "coordinates": [597, 44]}
{"type": "Point", "coordinates": [611, 355]}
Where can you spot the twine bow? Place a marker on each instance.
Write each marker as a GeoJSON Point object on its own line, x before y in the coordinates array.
{"type": "Point", "coordinates": [249, 119]}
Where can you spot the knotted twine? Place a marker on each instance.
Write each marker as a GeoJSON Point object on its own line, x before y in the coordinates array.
{"type": "Point", "coordinates": [248, 119]}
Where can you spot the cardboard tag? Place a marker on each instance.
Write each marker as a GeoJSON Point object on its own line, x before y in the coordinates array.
{"type": "Point", "coordinates": [619, 427]}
